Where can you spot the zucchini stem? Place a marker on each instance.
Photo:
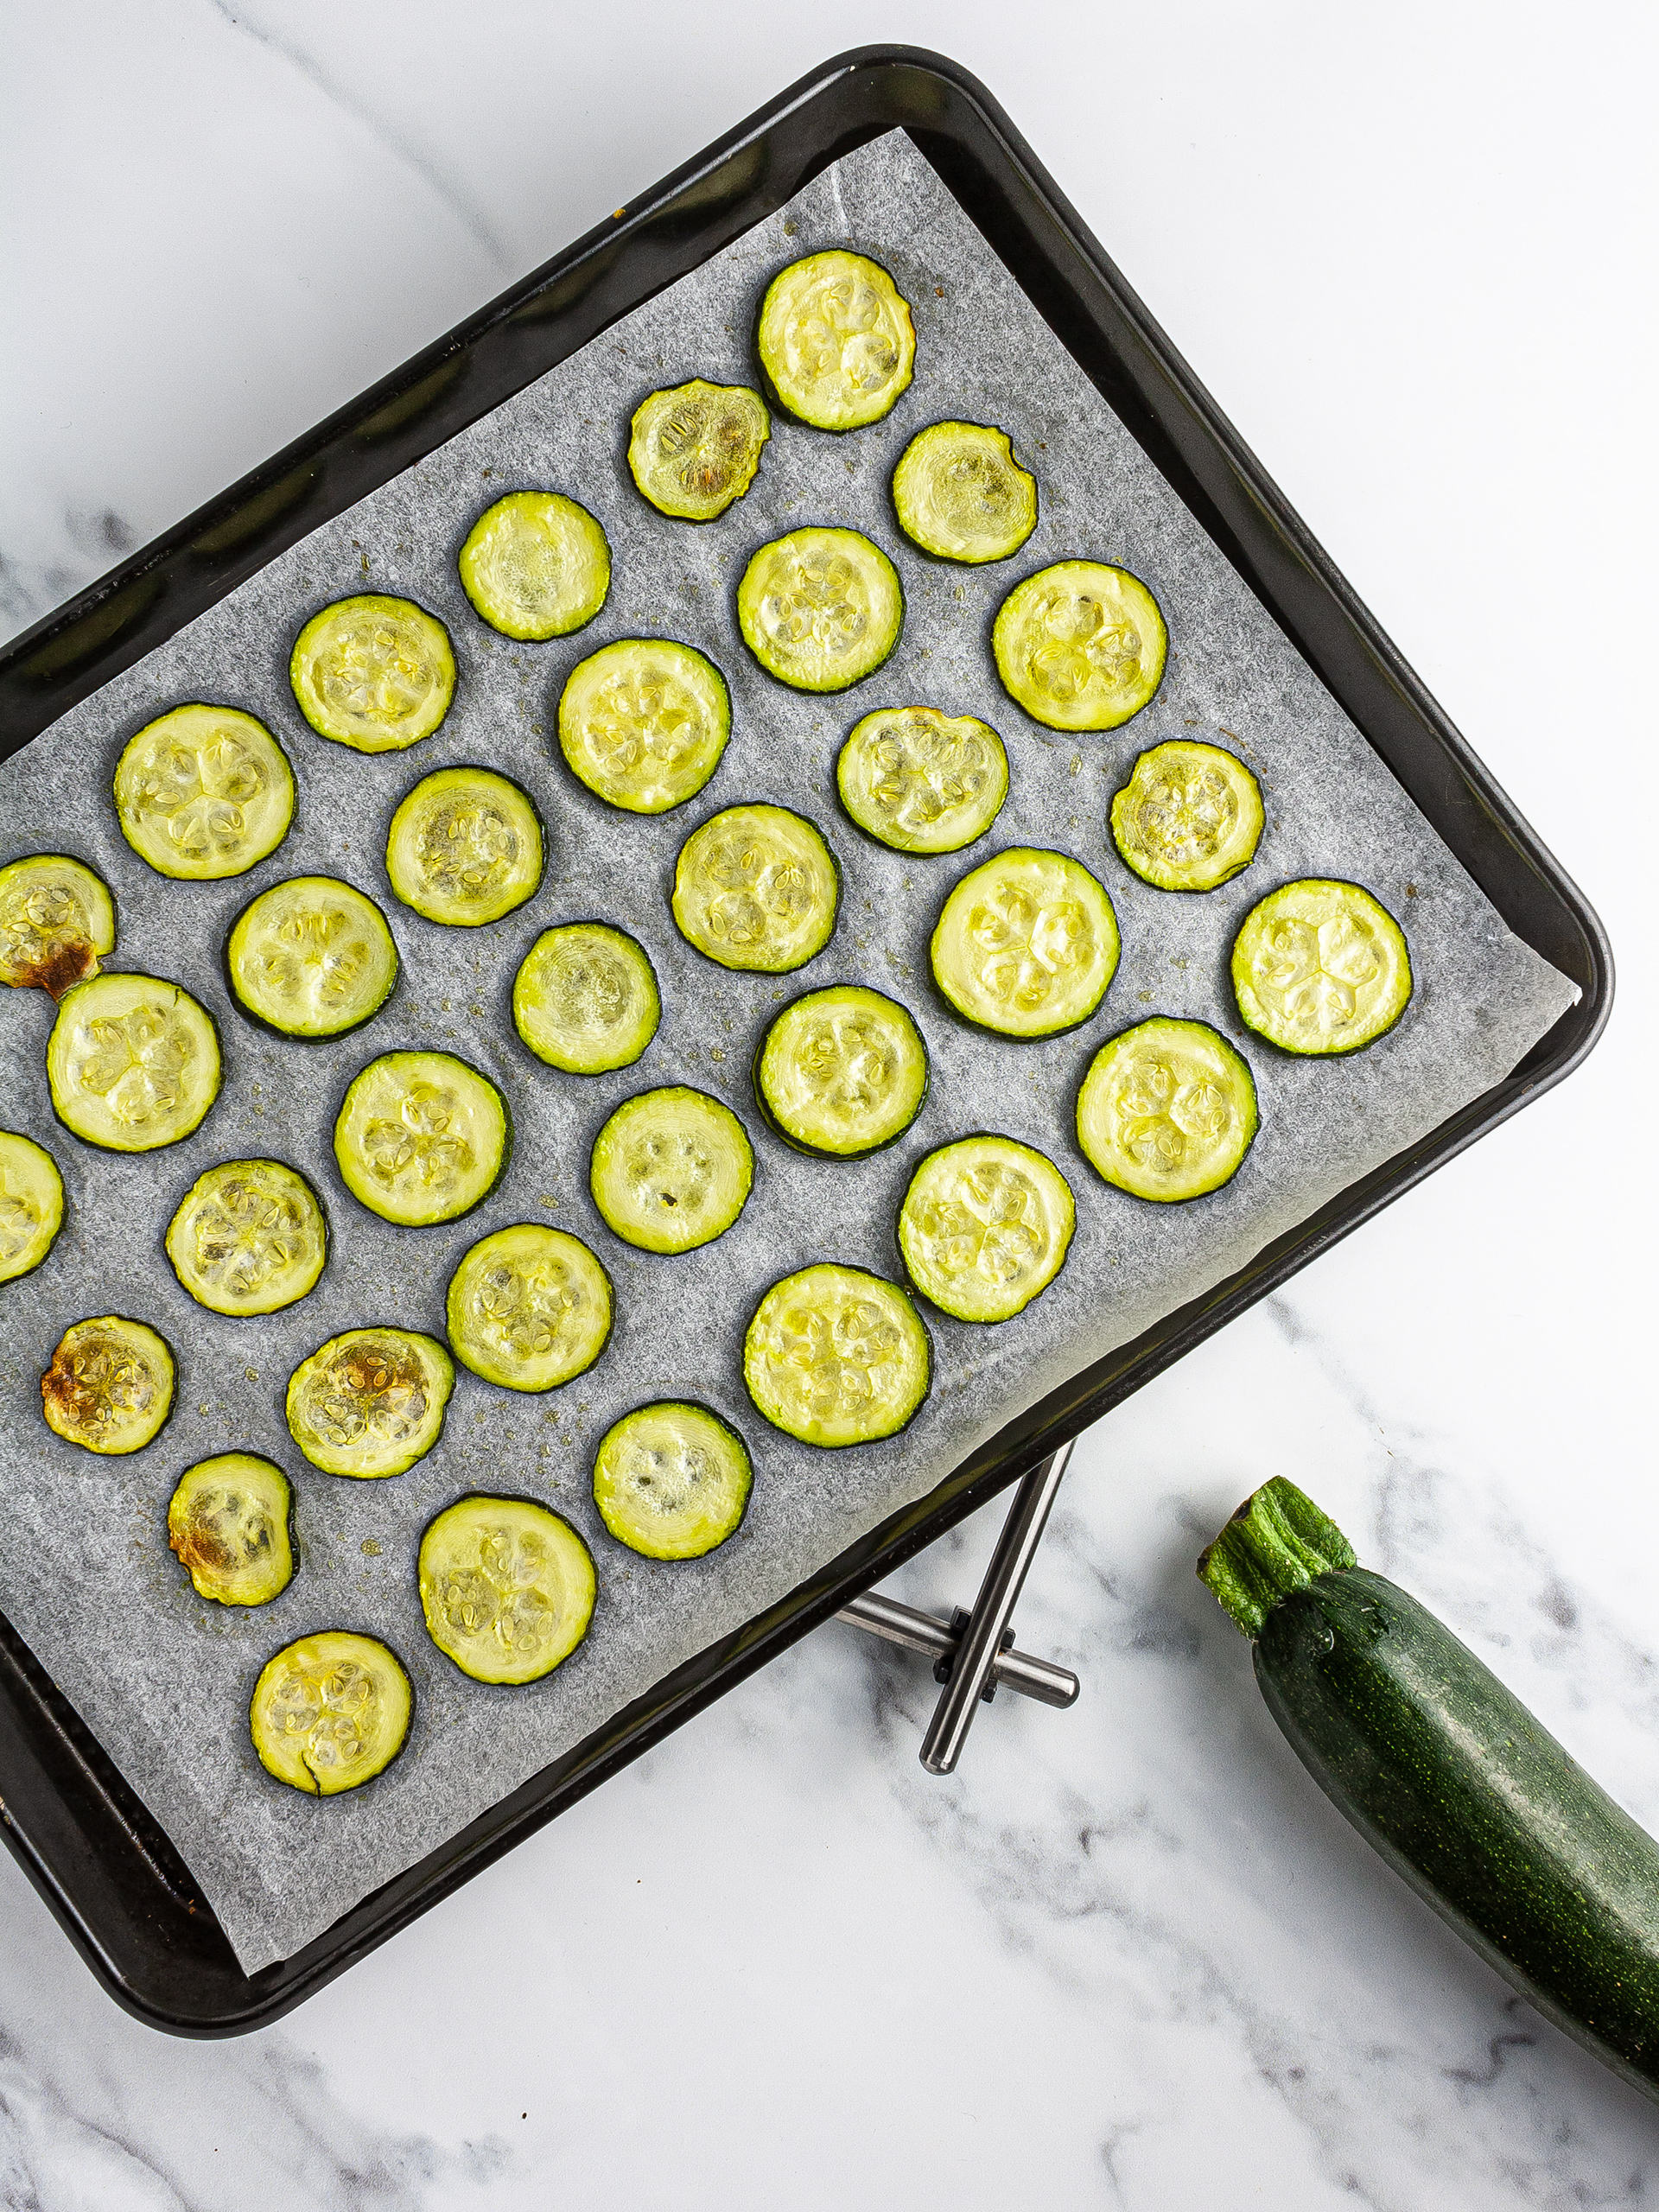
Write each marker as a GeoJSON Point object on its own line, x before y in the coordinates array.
{"type": "Point", "coordinates": [1277, 1542]}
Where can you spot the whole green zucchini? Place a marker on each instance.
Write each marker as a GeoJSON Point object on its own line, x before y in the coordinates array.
{"type": "Point", "coordinates": [1449, 1777]}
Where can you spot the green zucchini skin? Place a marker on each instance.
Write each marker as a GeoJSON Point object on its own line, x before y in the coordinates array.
{"type": "Point", "coordinates": [1449, 1777]}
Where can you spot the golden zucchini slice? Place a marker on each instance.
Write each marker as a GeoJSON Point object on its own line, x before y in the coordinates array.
{"type": "Point", "coordinates": [585, 999]}
{"type": "Point", "coordinates": [249, 1237]}
{"type": "Point", "coordinates": [330, 1711]}
{"type": "Point", "coordinates": [642, 722]}
{"type": "Point", "coordinates": [133, 1062]}
{"type": "Point", "coordinates": [837, 339]}
{"type": "Point", "coordinates": [529, 1307]}
{"type": "Point", "coordinates": [1025, 944]}
{"type": "Point", "coordinates": [820, 609]}
{"type": "Point", "coordinates": [508, 1588]}
{"type": "Point", "coordinates": [373, 672]}
{"type": "Point", "coordinates": [694, 448]}
{"type": "Point", "coordinates": [959, 493]}
{"type": "Point", "coordinates": [672, 1480]}
{"type": "Point", "coordinates": [921, 781]}
{"type": "Point", "coordinates": [985, 1227]}
{"type": "Point", "coordinates": [841, 1071]}
{"type": "Point", "coordinates": [465, 846]}
{"type": "Point", "coordinates": [756, 888]}
{"type": "Point", "coordinates": [1081, 645]}
{"type": "Point", "coordinates": [56, 917]}
{"type": "Point", "coordinates": [110, 1386]}
{"type": "Point", "coordinates": [204, 792]}
{"type": "Point", "coordinates": [370, 1402]}
{"type": "Point", "coordinates": [535, 565]}
{"type": "Point", "coordinates": [1167, 1110]}
{"type": "Point", "coordinates": [835, 1356]}
{"type": "Point", "coordinates": [311, 957]}
{"type": "Point", "coordinates": [1321, 967]}
{"type": "Point", "coordinates": [31, 1204]}
{"type": "Point", "coordinates": [671, 1169]}
{"type": "Point", "coordinates": [422, 1137]}
{"type": "Point", "coordinates": [1190, 816]}
{"type": "Point", "coordinates": [229, 1523]}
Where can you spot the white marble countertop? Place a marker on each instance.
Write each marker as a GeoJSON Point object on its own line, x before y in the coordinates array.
{"type": "Point", "coordinates": [1128, 1956]}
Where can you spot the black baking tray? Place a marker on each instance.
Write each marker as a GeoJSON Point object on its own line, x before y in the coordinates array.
{"type": "Point", "coordinates": [111, 1877]}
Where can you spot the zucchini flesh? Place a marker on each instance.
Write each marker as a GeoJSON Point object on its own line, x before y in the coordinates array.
{"type": "Point", "coordinates": [535, 565]}
{"type": "Point", "coordinates": [841, 1071]}
{"type": "Point", "coordinates": [110, 1386]}
{"type": "Point", "coordinates": [642, 722]}
{"type": "Point", "coordinates": [420, 1137]}
{"type": "Point", "coordinates": [837, 339]}
{"type": "Point", "coordinates": [756, 888]}
{"type": "Point", "coordinates": [960, 493]}
{"type": "Point", "coordinates": [311, 957]}
{"type": "Point", "coordinates": [370, 1402]}
{"type": "Point", "coordinates": [1025, 944]}
{"type": "Point", "coordinates": [585, 998]}
{"type": "Point", "coordinates": [985, 1227]}
{"type": "Point", "coordinates": [820, 609]}
{"type": "Point", "coordinates": [374, 673]}
{"type": "Point", "coordinates": [1190, 816]}
{"type": "Point", "coordinates": [694, 448]}
{"type": "Point", "coordinates": [1450, 1778]}
{"type": "Point", "coordinates": [834, 1356]}
{"type": "Point", "coordinates": [506, 1587]}
{"type": "Point", "coordinates": [465, 846]}
{"type": "Point", "coordinates": [228, 1522]}
{"type": "Point", "coordinates": [31, 1204]}
{"type": "Point", "coordinates": [132, 1063]}
{"type": "Point", "coordinates": [330, 1711]}
{"type": "Point", "coordinates": [671, 1169]}
{"type": "Point", "coordinates": [56, 917]}
{"type": "Point", "coordinates": [672, 1480]}
{"type": "Point", "coordinates": [921, 781]}
{"type": "Point", "coordinates": [1167, 1110]}
{"type": "Point", "coordinates": [1081, 645]}
{"type": "Point", "coordinates": [1321, 967]}
{"type": "Point", "coordinates": [529, 1307]}
{"type": "Point", "coordinates": [204, 792]}
{"type": "Point", "coordinates": [249, 1237]}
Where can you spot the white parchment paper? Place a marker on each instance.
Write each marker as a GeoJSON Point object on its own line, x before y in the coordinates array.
{"type": "Point", "coordinates": [85, 1574]}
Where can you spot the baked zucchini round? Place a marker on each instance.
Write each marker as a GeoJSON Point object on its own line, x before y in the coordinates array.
{"type": "Point", "coordinates": [642, 722]}
{"type": "Point", "coordinates": [672, 1480]}
{"type": "Point", "coordinates": [1081, 645]}
{"type": "Point", "coordinates": [56, 917]}
{"type": "Point", "coordinates": [249, 1237]}
{"type": "Point", "coordinates": [1190, 816]}
{"type": "Point", "coordinates": [229, 1523]}
{"type": "Point", "coordinates": [420, 1137]}
{"type": "Point", "coordinates": [585, 998]}
{"type": "Point", "coordinates": [465, 846]}
{"type": "Point", "coordinates": [330, 1711]}
{"type": "Point", "coordinates": [959, 493]}
{"type": "Point", "coordinates": [311, 957]}
{"type": "Point", "coordinates": [1167, 1110]}
{"type": "Point", "coordinates": [671, 1169]}
{"type": "Point", "coordinates": [1321, 967]}
{"type": "Point", "coordinates": [529, 1307]}
{"type": "Point", "coordinates": [506, 1587]}
{"type": "Point", "coordinates": [820, 609]}
{"type": "Point", "coordinates": [132, 1063]}
{"type": "Point", "coordinates": [535, 565]}
{"type": "Point", "coordinates": [920, 781]}
{"type": "Point", "coordinates": [204, 792]}
{"type": "Point", "coordinates": [841, 1071]}
{"type": "Point", "coordinates": [31, 1204]}
{"type": "Point", "coordinates": [985, 1227]}
{"type": "Point", "coordinates": [370, 1402]}
{"type": "Point", "coordinates": [373, 673]}
{"type": "Point", "coordinates": [694, 448]}
{"type": "Point", "coordinates": [1027, 944]}
{"type": "Point", "coordinates": [110, 1386]}
{"type": "Point", "coordinates": [837, 339]}
{"type": "Point", "coordinates": [756, 888]}
{"type": "Point", "coordinates": [835, 1356]}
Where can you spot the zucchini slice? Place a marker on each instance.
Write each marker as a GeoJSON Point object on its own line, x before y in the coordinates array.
{"type": "Point", "coordinates": [420, 1137]}
{"type": "Point", "coordinates": [1321, 967]}
{"type": "Point", "coordinates": [535, 565]}
{"type": "Point", "coordinates": [1167, 1110]}
{"type": "Point", "coordinates": [330, 1711]}
{"type": "Point", "coordinates": [228, 1522]}
{"type": "Point", "coordinates": [1081, 645]}
{"type": "Point", "coordinates": [585, 999]}
{"type": "Point", "coordinates": [249, 1237]}
{"type": "Point", "coordinates": [507, 1587]}
{"type": "Point", "coordinates": [529, 1307]}
{"type": "Point", "coordinates": [132, 1063]}
{"type": "Point", "coordinates": [110, 1386]}
{"type": "Point", "coordinates": [835, 1357]}
{"type": "Point", "coordinates": [373, 673]}
{"type": "Point", "coordinates": [31, 1204]}
{"type": "Point", "coordinates": [959, 492]}
{"type": "Point", "coordinates": [841, 1071]}
{"type": "Point", "coordinates": [1190, 816]}
{"type": "Point", "coordinates": [56, 917]}
{"type": "Point", "coordinates": [694, 448]}
{"type": "Point", "coordinates": [837, 339]}
{"type": "Point", "coordinates": [311, 957]}
{"type": "Point", "coordinates": [672, 1480]}
{"type": "Point", "coordinates": [1027, 944]}
{"type": "Point", "coordinates": [671, 1169]}
{"type": "Point", "coordinates": [921, 781]}
{"type": "Point", "coordinates": [465, 846]}
{"type": "Point", "coordinates": [204, 792]}
{"type": "Point", "coordinates": [756, 888]}
{"type": "Point", "coordinates": [370, 1403]}
{"type": "Point", "coordinates": [985, 1227]}
{"type": "Point", "coordinates": [642, 722]}
{"type": "Point", "coordinates": [820, 609]}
